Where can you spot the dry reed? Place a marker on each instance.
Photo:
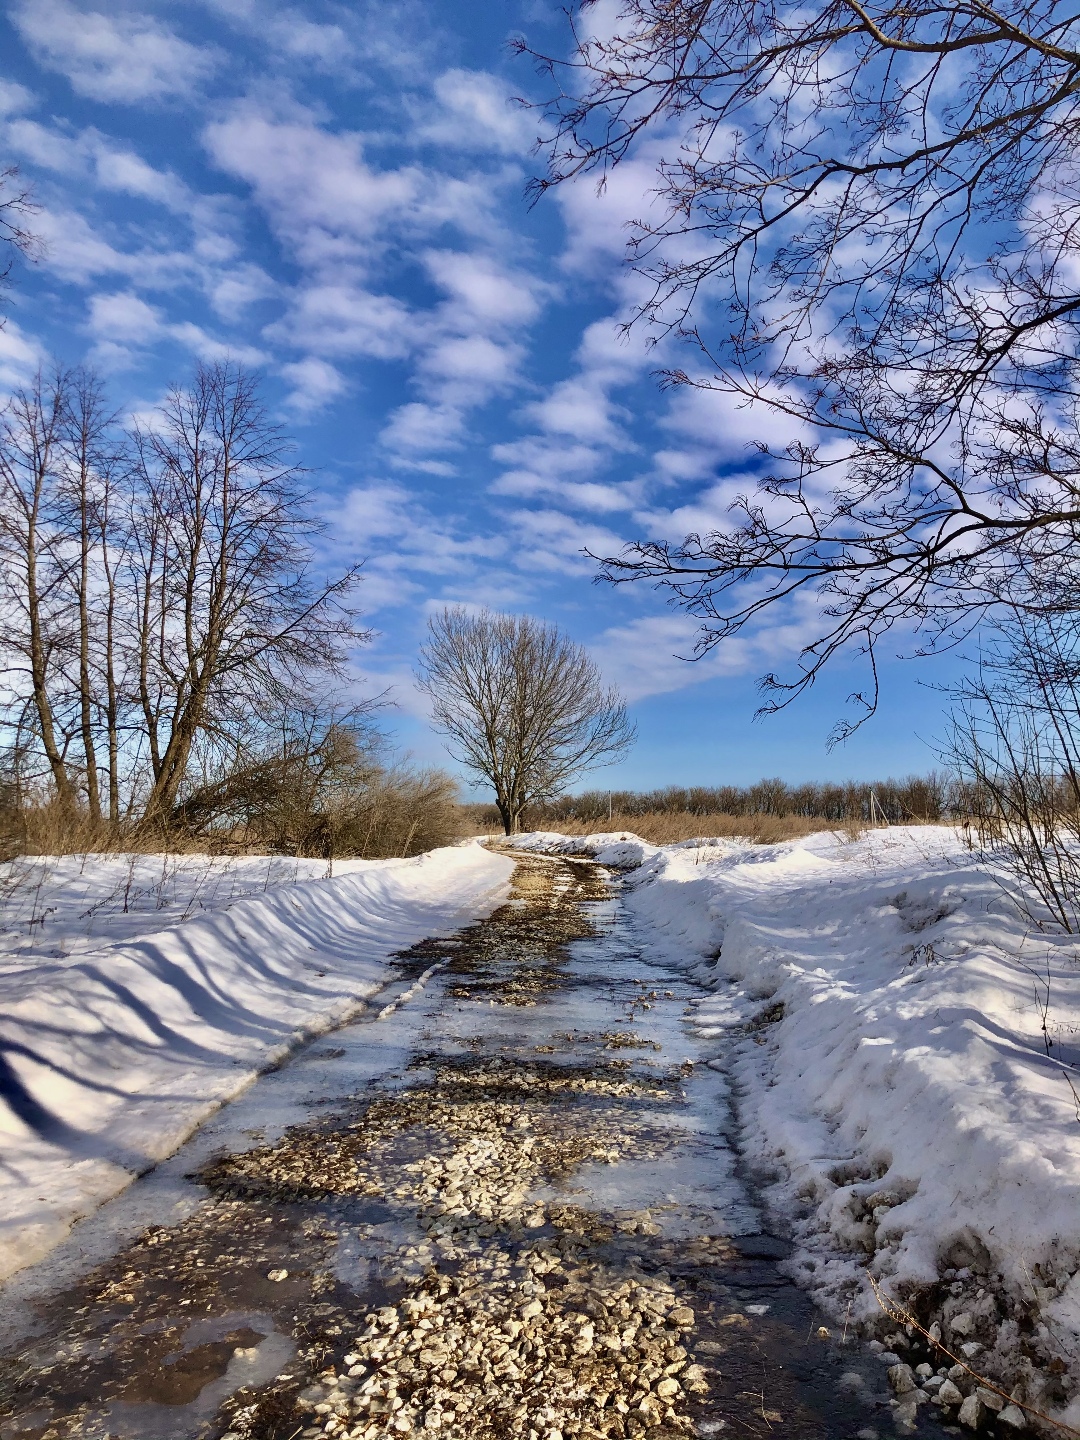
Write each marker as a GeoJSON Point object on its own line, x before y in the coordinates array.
{"type": "Point", "coordinates": [664, 827]}
{"type": "Point", "coordinates": [406, 815]}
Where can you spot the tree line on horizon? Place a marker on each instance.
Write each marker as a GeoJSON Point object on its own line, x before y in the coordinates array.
{"type": "Point", "coordinates": [931, 797]}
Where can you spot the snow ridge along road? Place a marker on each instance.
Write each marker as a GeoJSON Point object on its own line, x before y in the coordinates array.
{"type": "Point", "coordinates": [880, 1007]}
{"type": "Point", "coordinates": [111, 1055]}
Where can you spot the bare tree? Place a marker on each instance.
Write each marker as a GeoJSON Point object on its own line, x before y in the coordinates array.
{"type": "Point", "coordinates": [869, 223]}
{"type": "Point", "coordinates": [157, 598]}
{"type": "Point", "coordinates": [88, 464]}
{"type": "Point", "coordinates": [113, 699]}
{"type": "Point", "coordinates": [1015, 743]}
{"type": "Point", "coordinates": [229, 620]}
{"type": "Point", "coordinates": [524, 708]}
{"type": "Point", "coordinates": [35, 569]}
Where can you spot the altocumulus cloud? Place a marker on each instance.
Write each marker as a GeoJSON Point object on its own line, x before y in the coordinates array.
{"type": "Point", "coordinates": [122, 57]}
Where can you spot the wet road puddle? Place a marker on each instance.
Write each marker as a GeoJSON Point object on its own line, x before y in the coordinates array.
{"type": "Point", "coordinates": [505, 1204]}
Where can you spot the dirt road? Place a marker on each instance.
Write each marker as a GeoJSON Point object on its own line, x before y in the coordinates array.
{"type": "Point", "coordinates": [504, 1204]}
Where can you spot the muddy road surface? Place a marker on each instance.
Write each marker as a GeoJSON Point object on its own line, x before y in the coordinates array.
{"type": "Point", "coordinates": [505, 1203]}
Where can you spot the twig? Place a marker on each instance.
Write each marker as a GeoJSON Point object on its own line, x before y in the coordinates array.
{"type": "Point", "coordinates": [902, 1317]}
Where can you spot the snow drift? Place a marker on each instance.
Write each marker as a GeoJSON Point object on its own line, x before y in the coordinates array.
{"type": "Point", "coordinates": [902, 1045]}
{"type": "Point", "coordinates": [111, 1056]}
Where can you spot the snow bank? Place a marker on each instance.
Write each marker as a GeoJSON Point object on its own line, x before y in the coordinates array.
{"type": "Point", "coordinates": [60, 905]}
{"type": "Point", "coordinates": [881, 1005]}
{"type": "Point", "coordinates": [110, 1057]}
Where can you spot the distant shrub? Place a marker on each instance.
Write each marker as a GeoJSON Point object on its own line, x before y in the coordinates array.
{"type": "Point", "coordinates": [668, 827]}
{"type": "Point", "coordinates": [766, 812]}
{"type": "Point", "coordinates": [334, 795]}
{"type": "Point", "coordinates": [928, 798]}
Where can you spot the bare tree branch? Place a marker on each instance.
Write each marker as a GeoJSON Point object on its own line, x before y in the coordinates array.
{"type": "Point", "coordinates": [869, 224]}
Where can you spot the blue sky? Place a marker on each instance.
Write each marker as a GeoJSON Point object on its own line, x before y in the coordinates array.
{"type": "Point", "coordinates": [334, 194]}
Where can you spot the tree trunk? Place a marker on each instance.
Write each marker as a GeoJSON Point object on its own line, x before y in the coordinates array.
{"type": "Point", "coordinates": [38, 671]}
{"type": "Point", "coordinates": [112, 711]}
{"type": "Point", "coordinates": [86, 702]}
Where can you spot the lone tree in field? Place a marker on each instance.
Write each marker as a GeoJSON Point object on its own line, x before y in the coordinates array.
{"type": "Point", "coordinates": [523, 707]}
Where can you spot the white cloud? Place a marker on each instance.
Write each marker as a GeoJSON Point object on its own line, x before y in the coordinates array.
{"type": "Point", "coordinates": [303, 39]}
{"type": "Point", "coordinates": [577, 494]}
{"type": "Point", "coordinates": [315, 383]}
{"type": "Point", "coordinates": [553, 541]}
{"type": "Point", "coordinates": [379, 511]}
{"type": "Point", "coordinates": [684, 464]}
{"type": "Point", "coordinates": [127, 172]}
{"type": "Point", "coordinates": [288, 32]}
{"type": "Point", "coordinates": [123, 317]}
{"type": "Point", "coordinates": [480, 287]}
{"type": "Point", "coordinates": [654, 655]}
{"type": "Point", "coordinates": [43, 146]}
{"type": "Point", "coordinates": [536, 453]}
{"type": "Point", "coordinates": [465, 348]}
{"type": "Point", "coordinates": [20, 356]}
{"type": "Point", "coordinates": [476, 111]}
{"type": "Point", "coordinates": [338, 319]}
{"type": "Point", "coordinates": [124, 58]}
{"type": "Point", "coordinates": [14, 98]}
{"type": "Point", "coordinates": [418, 428]}
{"type": "Point", "coordinates": [209, 348]}
{"type": "Point", "coordinates": [474, 364]}
{"type": "Point", "coordinates": [612, 354]}
{"type": "Point", "coordinates": [559, 470]}
{"type": "Point", "coordinates": [315, 187]}
{"type": "Point", "coordinates": [728, 425]}
{"type": "Point", "coordinates": [231, 291]}
{"type": "Point", "coordinates": [708, 511]}
{"type": "Point", "coordinates": [341, 216]}
{"type": "Point", "coordinates": [92, 154]}
{"type": "Point", "coordinates": [599, 225]}
{"type": "Point", "coordinates": [122, 320]}
{"type": "Point", "coordinates": [396, 686]}
{"type": "Point", "coordinates": [582, 427]}
{"type": "Point", "coordinates": [581, 410]}
{"type": "Point", "coordinates": [76, 252]}
{"type": "Point", "coordinates": [409, 551]}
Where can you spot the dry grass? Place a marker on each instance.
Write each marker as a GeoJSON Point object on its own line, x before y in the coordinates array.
{"type": "Point", "coordinates": [669, 827]}
{"type": "Point", "coordinates": [405, 815]}
{"type": "Point", "coordinates": [53, 829]}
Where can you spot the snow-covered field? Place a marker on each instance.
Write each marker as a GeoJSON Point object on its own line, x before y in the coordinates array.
{"type": "Point", "coordinates": [881, 1005]}
{"type": "Point", "coordinates": [139, 993]}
